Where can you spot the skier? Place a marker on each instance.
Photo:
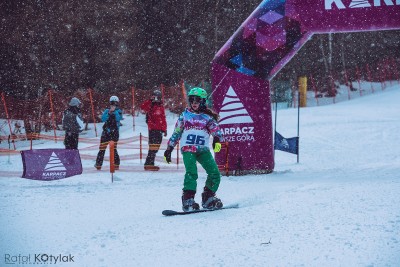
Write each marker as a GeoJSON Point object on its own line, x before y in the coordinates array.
{"type": "Point", "coordinates": [193, 128]}
{"type": "Point", "coordinates": [72, 123]}
{"type": "Point", "coordinates": [157, 125]}
{"type": "Point", "coordinates": [111, 118]}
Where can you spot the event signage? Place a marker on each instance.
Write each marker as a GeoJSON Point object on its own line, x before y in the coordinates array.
{"type": "Point", "coordinates": [50, 164]}
{"type": "Point", "coordinates": [243, 68]}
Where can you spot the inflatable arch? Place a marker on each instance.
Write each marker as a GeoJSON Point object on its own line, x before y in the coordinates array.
{"type": "Point", "coordinates": [263, 44]}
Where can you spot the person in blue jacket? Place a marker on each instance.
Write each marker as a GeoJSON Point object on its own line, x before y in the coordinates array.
{"type": "Point", "coordinates": [112, 121]}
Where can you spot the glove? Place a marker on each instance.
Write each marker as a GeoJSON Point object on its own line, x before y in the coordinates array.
{"type": "Point", "coordinates": [216, 145]}
{"type": "Point", "coordinates": [167, 154]}
{"type": "Point", "coordinates": [165, 133]}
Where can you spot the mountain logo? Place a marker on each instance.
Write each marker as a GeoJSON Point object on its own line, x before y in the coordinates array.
{"type": "Point", "coordinates": [233, 110]}
{"type": "Point", "coordinates": [54, 169]}
{"type": "Point", "coordinates": [54, 164]}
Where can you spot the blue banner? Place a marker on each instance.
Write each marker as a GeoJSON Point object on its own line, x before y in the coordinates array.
{"type": "Point", "coordinates": [290, 145]}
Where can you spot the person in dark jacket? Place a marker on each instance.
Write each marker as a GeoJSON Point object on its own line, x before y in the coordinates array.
{"type": "Point", "coordinates": [72, 123]}
{"type": "Point", "coordinates": [157, 125]}
{"type": "Point", "coordinates": [112, 121]}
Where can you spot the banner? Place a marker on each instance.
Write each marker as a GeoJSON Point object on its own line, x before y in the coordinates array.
{"type": "Point", "coordinates": [51, 164]}
{"type": "Point", "coordinates": [260, 47]}
{"type": "Point", "coordinates": [290, 145]}
{"type": "Point", "coordinates": [242, 103]}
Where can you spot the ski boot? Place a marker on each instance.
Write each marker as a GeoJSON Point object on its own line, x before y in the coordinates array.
{"type": "Point", "coordinates": [209, 200]}
{"type": "Point", "coordinates": [188, 203]}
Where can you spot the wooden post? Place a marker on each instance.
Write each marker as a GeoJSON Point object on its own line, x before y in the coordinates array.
{"type": "Point", "coordinates": [112, 163]}
{"type": "Point", "coordinates": [52, 114]}
{"type": "Point", "coordinates": [8, 118]}
{"type": "Point", "coordinates": [315, 89]}
{"type": "Point", "coordinates": [303, 91]}
{"type": "Point", "coordinates": [370, 78]}
{"type": "Point", "coordinates": [348, 84]}
{"type": "Point", "coordinates": [140, 147]}
{"type": "Point", "coordinates": [184, 92]}
{"type": "Point", "coordinates": [133, 108]}
{"type": "Point", "coordinates": [162, 93]}
{"type": "Point", "coordinates": [92, 106]}
{"type": "Point", "coordinates": [359, 80]}
{"type": "Point", "coordinates": [177, 155]}
{"type": "Point", "coordinates": [227, 159]}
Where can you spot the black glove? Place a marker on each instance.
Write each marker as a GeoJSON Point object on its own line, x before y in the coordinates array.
{"type": "Point", "coordinates": [167, 154]}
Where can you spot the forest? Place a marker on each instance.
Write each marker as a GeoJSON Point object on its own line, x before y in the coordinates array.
{"type": "Point", "coordinates": [112, 45]}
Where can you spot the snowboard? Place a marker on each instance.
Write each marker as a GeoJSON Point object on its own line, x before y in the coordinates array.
{"type": "Point", "coordinates": [173, 212]}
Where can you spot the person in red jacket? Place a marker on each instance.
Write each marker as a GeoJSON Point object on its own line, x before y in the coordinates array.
{"type": "Point", "coordinates": [157, 125]}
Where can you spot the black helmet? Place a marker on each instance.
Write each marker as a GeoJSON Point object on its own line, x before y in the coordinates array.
{"type": "Point", "coordinates": [157, 93]}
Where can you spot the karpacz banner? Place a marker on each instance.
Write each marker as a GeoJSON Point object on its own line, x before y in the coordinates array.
{"type": "Point", "coordinates": [51, 164]}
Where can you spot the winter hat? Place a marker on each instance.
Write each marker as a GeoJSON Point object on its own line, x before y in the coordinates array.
{"type": "Point", "coordinates": [75, 102]}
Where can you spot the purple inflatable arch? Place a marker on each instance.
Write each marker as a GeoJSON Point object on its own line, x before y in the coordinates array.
{"type": "Point", "coordinates": [264, 43]}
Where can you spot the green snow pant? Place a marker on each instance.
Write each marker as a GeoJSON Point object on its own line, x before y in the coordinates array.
{"type": "Point", "coordinates": [207, 161]}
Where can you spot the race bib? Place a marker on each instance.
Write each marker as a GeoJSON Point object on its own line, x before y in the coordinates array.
{"type": "Point", "coordinates": [195, 138]}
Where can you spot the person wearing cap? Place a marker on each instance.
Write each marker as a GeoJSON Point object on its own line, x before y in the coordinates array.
{"type": "Point", "coordinates": [72, 123]}
{"type": "Point", "coordinates": [157, 126]}
{"type": "Point", "coordinates": [112, 121]}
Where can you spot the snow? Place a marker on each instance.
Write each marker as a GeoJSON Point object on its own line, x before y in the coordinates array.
{"type": "Point", "coordinates": [339, 206]}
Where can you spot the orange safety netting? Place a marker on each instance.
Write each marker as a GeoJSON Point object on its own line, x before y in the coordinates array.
{"type": "Point", "coordinates": [46, 112]}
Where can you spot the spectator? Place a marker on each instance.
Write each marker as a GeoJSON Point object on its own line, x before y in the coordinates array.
{"type": "Point", "coordinates": [111, 118]}
{"type": "Point", "coordinates": [72, 123]}
{"type": "Point", "coordinates": [157, 126]}
{"type": "Point", "coordinates": [17, 128]}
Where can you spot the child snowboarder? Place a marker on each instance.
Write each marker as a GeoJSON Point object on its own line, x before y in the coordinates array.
{"type": "Point", "coordinates": [193, 128]}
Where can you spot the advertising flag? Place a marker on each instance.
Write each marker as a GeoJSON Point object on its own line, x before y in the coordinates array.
{"type": "Point", "coordinates": [51, 164]}
{"type": "Point", "coordinates": [290, 145]}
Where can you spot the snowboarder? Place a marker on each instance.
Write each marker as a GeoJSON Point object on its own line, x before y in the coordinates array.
{"type": "Point", "coordinates": [193, 128]}
{"type": "Point", "coordinates": [157, 125]}
{"type": "Point", "coordinates": [72, 123]}
{"type": "Point", "coordinates": [111, 118]}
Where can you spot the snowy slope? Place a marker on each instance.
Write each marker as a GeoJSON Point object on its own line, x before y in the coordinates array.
{"type": "Point", "coordinates": [340, 206]}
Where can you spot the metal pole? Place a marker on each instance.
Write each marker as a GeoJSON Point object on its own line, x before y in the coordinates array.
{"type": "Point", "coordinates": [298, 127]}
{"type": "Point", "coordinates": [276, 115]}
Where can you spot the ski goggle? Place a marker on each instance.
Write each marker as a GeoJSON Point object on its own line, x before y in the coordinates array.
{"type": "Point", "coordinates": [196, 99]}
{"type": "Point", "coordinates": [113, 103]}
